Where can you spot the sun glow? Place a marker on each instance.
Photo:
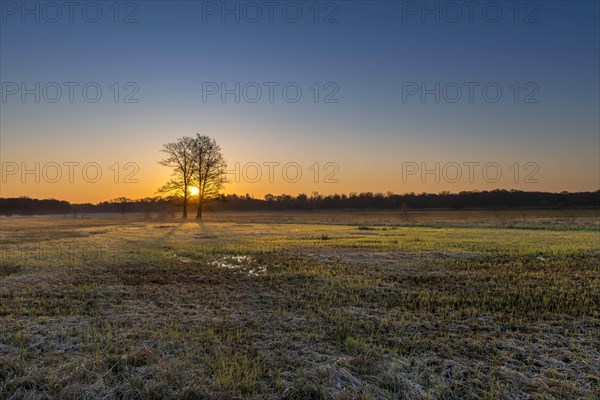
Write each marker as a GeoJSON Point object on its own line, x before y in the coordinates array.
{"type": "Point", "coordinates": [194, 191]}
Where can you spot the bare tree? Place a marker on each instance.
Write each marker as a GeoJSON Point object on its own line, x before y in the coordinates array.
{"type": "Point", "coordinates": [209, 170]}
{"type": "Point", "coordinates": [180, 158]}
{"type": "Point", "coordinates": [122, 201]}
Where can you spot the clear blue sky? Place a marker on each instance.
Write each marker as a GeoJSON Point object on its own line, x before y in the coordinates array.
{"type": "Point", "coordinates": [373, 49]}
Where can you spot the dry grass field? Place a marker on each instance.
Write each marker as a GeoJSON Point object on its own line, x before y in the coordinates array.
{"type": "Point", "coordinates": [313, 305]}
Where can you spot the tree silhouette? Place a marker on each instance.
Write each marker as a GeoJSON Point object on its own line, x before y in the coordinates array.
{"type": "Point", "coordinates": [180, 158]}
{"type": "Point", "coordinates": [122, 201]}
{"type": "Point", "coordinates": [209, 170]}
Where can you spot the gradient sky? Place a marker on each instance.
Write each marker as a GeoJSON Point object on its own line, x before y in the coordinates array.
{"type": "Point", "coordinates": [372, 49]}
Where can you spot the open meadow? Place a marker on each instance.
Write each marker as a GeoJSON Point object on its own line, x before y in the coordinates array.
{"type": "Point", "coordinates": [306, 305]}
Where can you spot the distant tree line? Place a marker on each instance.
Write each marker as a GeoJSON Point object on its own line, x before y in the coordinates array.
{"type": "Point", "coordinates": [26, 206]}
{"type": "Point", "coordinates": [495, 199]}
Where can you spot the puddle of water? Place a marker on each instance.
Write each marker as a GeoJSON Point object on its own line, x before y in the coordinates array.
{"type": "Point", "coordinates": [245, 264]}
{"type": "Point", "coordinates": [239, 263]}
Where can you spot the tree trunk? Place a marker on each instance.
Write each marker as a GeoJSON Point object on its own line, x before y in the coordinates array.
{"type": "Point", "coordinates": [199, 213]}
{"type": "Point", "coordinates": [184, 206]}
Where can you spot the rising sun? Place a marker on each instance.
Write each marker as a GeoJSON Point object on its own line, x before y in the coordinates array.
{"type": "Point", "coordinates": [194, 190]}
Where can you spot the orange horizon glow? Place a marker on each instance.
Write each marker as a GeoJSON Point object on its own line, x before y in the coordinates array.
{"type": "Point", "coordinates": [327, 168]}
{"type": "Point", "coordinates": [362, 181]}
